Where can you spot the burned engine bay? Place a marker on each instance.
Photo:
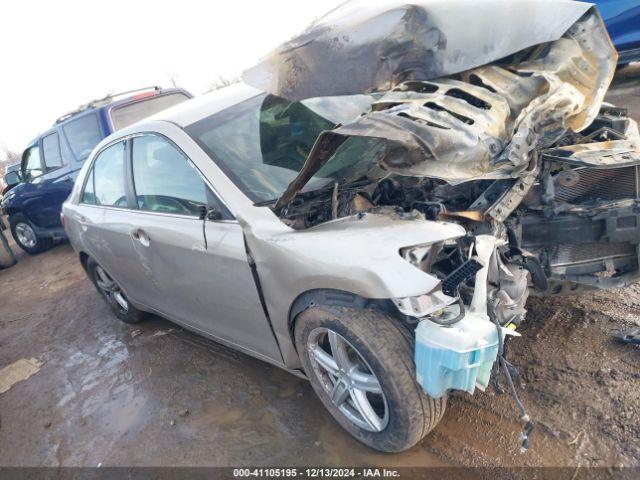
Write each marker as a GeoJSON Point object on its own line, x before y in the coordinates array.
{"type": "Point", "coordinates": [522, 149]}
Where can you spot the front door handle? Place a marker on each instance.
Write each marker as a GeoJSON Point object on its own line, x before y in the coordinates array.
{"type": "Point", "coordinates": [141, 236]}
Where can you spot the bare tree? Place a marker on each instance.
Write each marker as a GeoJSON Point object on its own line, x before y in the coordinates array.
{"type": "Point", "coordinates": [221, 82]}
{"type": "Point", "coordinates": [173, 79]}
{"type": "Point", "coordinates": [7, 157]}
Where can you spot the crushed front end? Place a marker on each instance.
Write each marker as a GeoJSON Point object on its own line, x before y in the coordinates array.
{"type": "Point", "coordinates": [521, 151]}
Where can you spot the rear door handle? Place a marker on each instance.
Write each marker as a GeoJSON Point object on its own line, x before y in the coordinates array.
{"type": "Point", "coordinates": [83, 223]}
{"type": "Point", "coordinates": [141, 236]}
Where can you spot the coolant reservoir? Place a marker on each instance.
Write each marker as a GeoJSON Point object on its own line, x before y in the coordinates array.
{"type": "Point", "coordinates": [458, 357]}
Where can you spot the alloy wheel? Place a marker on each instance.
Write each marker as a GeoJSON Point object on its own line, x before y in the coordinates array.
{"type": "Point", "coordinates": [26, 235]}
{"type": "Point", "coordinates": [110, 289]}
{"type": "Point", "coordinates": [348, 379]}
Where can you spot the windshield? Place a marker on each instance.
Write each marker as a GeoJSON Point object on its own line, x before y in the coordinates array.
{"type": "Point", "coordinates": [262, 143]}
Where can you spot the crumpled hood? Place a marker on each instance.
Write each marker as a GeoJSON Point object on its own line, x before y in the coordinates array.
{"type": "Point", "coordinates": [365, 46]}
{"type": "Point", "coordinates": [487, 120]}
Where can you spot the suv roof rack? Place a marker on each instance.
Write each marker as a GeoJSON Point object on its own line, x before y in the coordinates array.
{"type": "Point", "coordinates": [107, 99]}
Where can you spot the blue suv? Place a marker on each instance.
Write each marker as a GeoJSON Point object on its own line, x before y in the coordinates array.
{"type": "Point", "coordinates": [52, 161]}
{"type": "Point", "coordinates": [622, 18]}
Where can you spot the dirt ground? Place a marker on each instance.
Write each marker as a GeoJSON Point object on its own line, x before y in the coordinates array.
{"type": "Point", "coordinates": [113, 394]}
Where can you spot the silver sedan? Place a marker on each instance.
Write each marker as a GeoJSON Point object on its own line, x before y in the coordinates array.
{"type": "Point", "coordinates": [160, 227]}
{"type": "Point", "coordinates": [372, 211]}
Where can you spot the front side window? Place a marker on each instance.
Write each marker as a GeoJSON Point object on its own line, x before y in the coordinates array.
{"type": "Point", "coordinates": [51, 151]}
{"type": "Point", "coordinates": [83, 134]}
{"type": "Point", "coordinates": [164, 180]}
{"type": "Point", "coordinates": [31, 164]}
{"type": "Point", "coordinates": [109, 178]}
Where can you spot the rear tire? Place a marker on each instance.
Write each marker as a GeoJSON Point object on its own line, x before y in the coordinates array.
{"type": "Point", "coordinates": [385, 350]}
{"type": "Point", "coordinates": [110, 291]}
{"type": "Point", "coordinates": [24, 234]}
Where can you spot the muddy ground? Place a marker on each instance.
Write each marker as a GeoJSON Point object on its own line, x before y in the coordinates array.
{"type": "Point", "coordinates": [113, 394]}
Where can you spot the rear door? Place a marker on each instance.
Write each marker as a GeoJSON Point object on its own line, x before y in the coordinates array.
{"type": "Point", "coordinates": [104, 218]}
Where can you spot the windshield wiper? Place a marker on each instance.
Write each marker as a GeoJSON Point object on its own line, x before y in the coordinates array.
{"type": "Point", "coordinates": [265, 203]}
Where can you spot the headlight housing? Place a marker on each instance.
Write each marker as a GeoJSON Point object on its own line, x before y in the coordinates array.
{"type": "Point", "coordinates": [418, 255]}
{"type": "Point", "coordinates": [424, 305]}
{"type": "Point", "coordinates": [422, 257]}
{"type": "Point", "coordinates": [7, 198]}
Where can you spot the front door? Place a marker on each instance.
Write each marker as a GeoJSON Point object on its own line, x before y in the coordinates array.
{"type": "Point", "coordinates": [48, 182]}
{"type": "Point", "coordinates": [56, 184]}
{"type": "Point", "coordinates": [199, 267]}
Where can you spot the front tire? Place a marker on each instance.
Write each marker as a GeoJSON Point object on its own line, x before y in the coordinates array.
{"type": "Point", "coordinates": [113, 294]}
{"type": "Point", "coordinates": [24, 233]}
{"type": "Point", "coordinates": [360, 363]}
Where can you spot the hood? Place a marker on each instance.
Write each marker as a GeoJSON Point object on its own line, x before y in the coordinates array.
{"type": "Point", "coordinates": [488, 119]}
{"type": "Point", "coordinates": [365, 46]}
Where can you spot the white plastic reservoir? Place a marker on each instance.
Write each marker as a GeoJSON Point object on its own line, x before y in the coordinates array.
{"type": "Point", "coordinates": [458, 357]}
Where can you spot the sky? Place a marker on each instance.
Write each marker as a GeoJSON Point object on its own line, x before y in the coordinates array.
{"type": "Point", "coordinates": [57, 55]}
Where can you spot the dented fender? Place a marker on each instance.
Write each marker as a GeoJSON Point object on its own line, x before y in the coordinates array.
{"type": "Point", "coordinates": [352, 254]}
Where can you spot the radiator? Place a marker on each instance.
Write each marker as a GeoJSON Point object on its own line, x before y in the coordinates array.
{"type": "Point", "coordinates": [565, 254]}
{"type": "Point", "coordinates": [600, 184]}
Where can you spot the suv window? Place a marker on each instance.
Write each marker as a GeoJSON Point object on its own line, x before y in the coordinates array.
{"type": "Point", "coordinates": [164, 179]}
{"type": "Point", "coordinates": [108, 178]}
{"type": "Point", "coordinates": [133, 112]}
{"type": "Point", "coordinates": [32, 164]}
{"type": "Point", "coordinates": [83, 134]}
{"type": "Point", "coordinates": [51, 152]}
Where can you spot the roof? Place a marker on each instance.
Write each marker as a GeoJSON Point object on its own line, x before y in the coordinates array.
{"type": "Point", "coordinates": [109, 102]}
{"type": "Point", "coordinates": [191, 111]}
{"type": "Point", "coordinates": [113, 99]}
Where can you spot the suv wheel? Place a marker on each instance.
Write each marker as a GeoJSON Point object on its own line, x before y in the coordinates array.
{"type": "Point", "coordinates": [113, 294]}
{"type": "Point", "coordinates": [24, 233]}
{"type": "Point", "coordinates": [360, 363]}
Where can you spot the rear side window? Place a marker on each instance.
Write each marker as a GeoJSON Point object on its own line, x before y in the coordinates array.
{"type": "Point", "coordinates": [88, 196]}
{"type": "Point", "coordinates": [83, 134]}
{"type": "Point", "coordinates": [108, 178]}
{"type": "Point", "coordinates": [126, 115]}
{"type": "Point", "coordinates": [51, 151]}
{"type": "Point", "coordinates": [164, 179]}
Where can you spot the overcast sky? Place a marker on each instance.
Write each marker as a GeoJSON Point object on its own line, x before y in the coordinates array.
{"type": "Point", "coordinates": [56, 55]}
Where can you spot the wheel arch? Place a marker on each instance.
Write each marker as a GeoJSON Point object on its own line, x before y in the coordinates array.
{"type": "Point", "coordinates": [15, 214]}
{"type": "Point", "coordinates": [84, 258]}
{"type": "Point", "coordinates": [335, 298]}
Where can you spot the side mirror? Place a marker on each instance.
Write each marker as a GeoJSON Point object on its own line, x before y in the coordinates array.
{"type": "Point", "coordinates": [12, 179]}
{"type": "Point", "coordinates": [210, 213]}
{"type": "Point", "coordinates": [213, 214]}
